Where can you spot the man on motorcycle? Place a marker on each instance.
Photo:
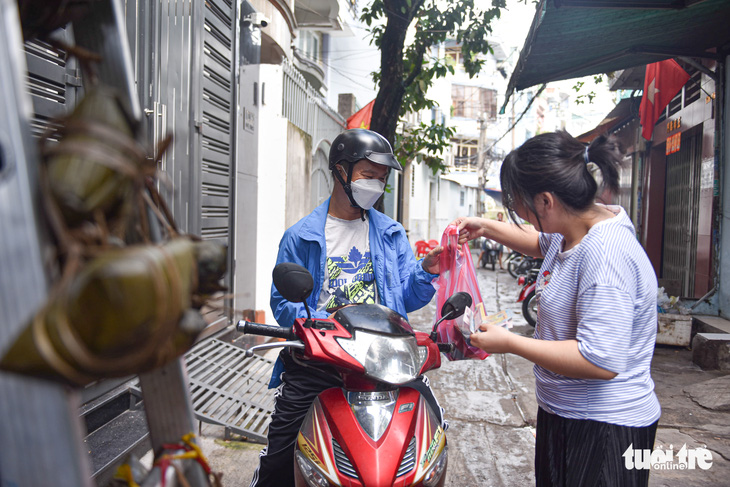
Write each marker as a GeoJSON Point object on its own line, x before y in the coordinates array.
{"type": "Point", "coordinates": [356, 255]}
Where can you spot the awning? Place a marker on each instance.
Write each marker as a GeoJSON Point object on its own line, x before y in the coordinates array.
{"type": "Point", "coordinates": [572, 39]}
{"type": "Point", "coordinates": [466, 179]}
{"type": "Point", "coordinates": [495, 194]}
{"type": "Point", "coordinates": [322, 14]}
{"type": "Point", "coordinates": [626, 110]}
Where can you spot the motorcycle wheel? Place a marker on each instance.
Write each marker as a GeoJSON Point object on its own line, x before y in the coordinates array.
{"type": "Point", "coordinates": [514, 264]}
{"type": "Point", "coordinates": [529, 309]}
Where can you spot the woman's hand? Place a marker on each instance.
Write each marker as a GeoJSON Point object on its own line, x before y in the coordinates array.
{"type": "Point", "coordinates": [560, 356]}
{"type": "Point", "coordinates": [469, 228]}
{"type": "Point", "coordinates": [430, 263]}
{"type": "Point", "coordinates": [493, 339]}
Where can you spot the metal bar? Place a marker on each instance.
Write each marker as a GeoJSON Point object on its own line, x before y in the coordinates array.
{"type": "Point", "coordinates": [234, 396]}
{"type": "Point", "coordinates": [103, 31]}
{"type": "Point", "coordinates": [700, 67]}
{"type": "Point", "coordinates": [40, 434]}
{"type": "Point", "coordinates": [166, 398]}
{"type": "Point", "coordinates": [220, 389]}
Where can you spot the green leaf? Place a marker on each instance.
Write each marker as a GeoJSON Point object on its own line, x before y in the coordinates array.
{"type": "Point", "coordinates": [411, 69]}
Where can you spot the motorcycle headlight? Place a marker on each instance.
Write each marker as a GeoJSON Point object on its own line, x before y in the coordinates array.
{"type": "Point", "coordinates": [395, 360]}
{"type": "Point", "coordinates": [312, 476]}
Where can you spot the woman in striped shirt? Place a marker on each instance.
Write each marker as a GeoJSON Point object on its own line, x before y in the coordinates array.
{"type": "Point", "coordinates": [596, 319]}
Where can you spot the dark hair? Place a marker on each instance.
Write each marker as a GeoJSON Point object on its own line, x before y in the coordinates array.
{"type": "Point", "coordinates": [557, 163]}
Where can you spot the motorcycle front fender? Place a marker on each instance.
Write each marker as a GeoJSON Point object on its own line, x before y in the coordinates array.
{"type": "Point", "coordinates": [409, 448]}
{"type": "Point", "coordinates": [526, 291]}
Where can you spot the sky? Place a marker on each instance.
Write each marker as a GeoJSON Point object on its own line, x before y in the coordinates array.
{"type": "Point", "coordinates": [514, 22]}
{"type": "Point", "coordinates": [356, 60]}
{"type": "Point", "coordinates": [512, 29]}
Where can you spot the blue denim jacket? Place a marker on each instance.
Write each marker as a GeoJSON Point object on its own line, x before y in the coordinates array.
{"type": "Point", "coordinates": [403, 285]}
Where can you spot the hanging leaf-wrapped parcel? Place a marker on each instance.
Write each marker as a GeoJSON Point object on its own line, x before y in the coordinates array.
{"type": "Point", "coordinates": [126, 312]}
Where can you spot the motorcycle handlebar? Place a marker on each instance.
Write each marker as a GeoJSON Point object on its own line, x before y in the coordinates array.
{"type": "Point", "coordinates": [446, 347]}
{"type": "Point", "coordinates": [252, 328]}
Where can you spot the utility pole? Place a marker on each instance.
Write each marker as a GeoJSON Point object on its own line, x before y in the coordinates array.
{"type": "Point", "coordinates": [512, 122]}
{"type": "Point", "coordinates": [482, 163]}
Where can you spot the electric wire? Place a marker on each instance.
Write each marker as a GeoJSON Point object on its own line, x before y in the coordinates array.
{"type": "Point", "coordinates": [514, 124]}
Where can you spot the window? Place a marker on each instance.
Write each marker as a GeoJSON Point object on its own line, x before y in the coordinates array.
{"type": "Point", "coordinates": [453, 56]}
{"type": "Point", "coordinates": [308, 44]}
{"type": "Point", "coordinates": [462, 198]}
{"type": "Point", "coordinates": [690, 93]}
{"type": "Point", "coordinates": [474, 102]}
{"type": "Point", "coordinates": [466, 157]}
{"type": "Point", "coordinates": [692, 87]}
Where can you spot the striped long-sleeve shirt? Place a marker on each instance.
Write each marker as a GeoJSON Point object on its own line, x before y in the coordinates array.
{"type": "Point", "coordinates": [602, 292]}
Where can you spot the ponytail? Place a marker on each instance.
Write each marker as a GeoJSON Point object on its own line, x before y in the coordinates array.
{"type": "Point", "coordinates": [604, 152]}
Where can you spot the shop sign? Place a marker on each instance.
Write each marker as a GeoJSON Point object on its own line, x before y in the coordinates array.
{"type": "Point", "coordinates": [674, 141]}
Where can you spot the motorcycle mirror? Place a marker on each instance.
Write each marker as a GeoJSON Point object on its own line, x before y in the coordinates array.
{"type": "Point", "coordinates": [293, 281]}
{"type": "Point", "coordinates": [452, 308]}
{"type": "Point", "coordinates": [456, 305]}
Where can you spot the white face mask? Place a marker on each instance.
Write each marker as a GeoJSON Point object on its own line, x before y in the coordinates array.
{"type": "Point", "coordinates": [366, 192]}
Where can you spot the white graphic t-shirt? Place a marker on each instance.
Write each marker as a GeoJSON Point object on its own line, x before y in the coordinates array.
{"type": "Point", "coordinates": [349, 276]}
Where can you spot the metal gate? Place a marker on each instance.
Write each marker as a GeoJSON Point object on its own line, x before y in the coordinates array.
{"type": "Point", "coordinates": [53, 82]}
{"type": "Point", "coordinates": [185, 59]}
{"type": "Point", "coordinates": [183, 64]}
{"type": "Point", "coordinates": [56, 454]}
{"type": "Point", "coordinates": [230, 389]}
{"type": "Point", "coordinates": [681, 209]}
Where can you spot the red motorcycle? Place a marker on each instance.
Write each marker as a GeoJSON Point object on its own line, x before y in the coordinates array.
{"type": "Point", "coordinates": [375, 430]}
{"type": "Point", "coordinates": [527, 295]}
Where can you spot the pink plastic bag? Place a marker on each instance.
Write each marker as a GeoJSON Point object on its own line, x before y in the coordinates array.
{"type": "Point", "coordinates": [457, 274]}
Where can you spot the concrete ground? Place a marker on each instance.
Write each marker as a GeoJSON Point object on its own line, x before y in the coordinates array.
{"type": "Point", "coordinates": [491, 409]}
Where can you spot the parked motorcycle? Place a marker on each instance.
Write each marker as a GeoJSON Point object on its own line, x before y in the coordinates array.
{"type": "Point", "coordinates": [490, 253]}
{"type": "Point", "coordinates": [375, 430]}
{"type": "Point", "coordinates": [520, 264]}
{"type": "Point", "coordinates": [513, 255]}
{"type": "Point", "coordinates": [527, 295]}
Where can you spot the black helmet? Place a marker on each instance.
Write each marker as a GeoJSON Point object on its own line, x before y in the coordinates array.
{"type": "Point", "coordinates": [356, 144]}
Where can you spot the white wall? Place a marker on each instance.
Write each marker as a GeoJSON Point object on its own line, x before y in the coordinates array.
{"type": "Point", "coordinates": [298, 171]}
{"type": "Point", "coordinates": [247, 183]}
{"type": "Point", "coordinates": [419, 194]}
{"type": "Point", "coordinates": [272, 163]}
{"type": "Point", "coordinates": [428, 222]}
{"type": "Point", "coordinates": [450, 206]}
{"type": "Point", "coordinates": [349, 59]}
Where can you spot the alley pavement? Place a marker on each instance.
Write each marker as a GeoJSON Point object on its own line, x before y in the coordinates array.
{"type": "Point", "coordinates": [491, 409]}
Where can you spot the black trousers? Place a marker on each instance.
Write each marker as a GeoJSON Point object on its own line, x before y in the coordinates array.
{"type": "Point", "coordinates": [301, 385]}
{"type": "Point", "coordinates": [580, 452]}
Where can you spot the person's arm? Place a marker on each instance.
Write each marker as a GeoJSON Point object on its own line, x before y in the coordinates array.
{"type": "Point", "coordinates": [523, 239]}
{"type": "Point", "coordinates": [431, 262]}
{"type": "Point", "coordinates": [562, 357]}
{"type": "Point", "coordinates": [415, 275]}
{"type": "Point", "coordinates": [286, 312]}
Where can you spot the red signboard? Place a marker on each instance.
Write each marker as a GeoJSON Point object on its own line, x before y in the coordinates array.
{"type": "Point", "coordinates": [673, 143]}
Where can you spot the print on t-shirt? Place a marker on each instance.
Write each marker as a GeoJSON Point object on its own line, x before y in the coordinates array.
{"type": "Point", "coordinates": [351, 279]}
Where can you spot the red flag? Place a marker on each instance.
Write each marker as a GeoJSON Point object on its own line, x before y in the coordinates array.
{"type": "Point", "coordinates": [663, 80]}
{"type": "Point", "coordinates": [361, 118]}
